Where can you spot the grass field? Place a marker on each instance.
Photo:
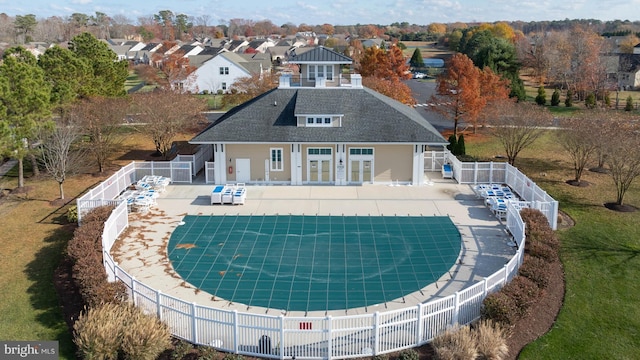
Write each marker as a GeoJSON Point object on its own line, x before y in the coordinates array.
{"type": "Point", "coordinates": [601, 254]}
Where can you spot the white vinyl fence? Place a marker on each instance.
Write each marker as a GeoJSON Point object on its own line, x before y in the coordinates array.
{"type": "Point", "coordinates": [204, 153]}
{"type": "Point", "coordinates": [504, 173]}
{"type": "Point", "coordinates": [283, 337]}
{"type": "Point", "coordinates": [107, 191]}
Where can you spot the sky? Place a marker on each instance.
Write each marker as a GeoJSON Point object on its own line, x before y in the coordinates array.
{"type": "Point", "coordinates": [340, 12]}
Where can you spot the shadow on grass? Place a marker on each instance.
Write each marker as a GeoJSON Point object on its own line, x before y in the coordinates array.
{"type": "Point", "coordinates": [603, 249]}
{"type": "Point", "coordinates": [42, 293]}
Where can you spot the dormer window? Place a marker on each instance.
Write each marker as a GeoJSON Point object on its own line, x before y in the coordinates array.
{"type": "Point", "coordinates": [319, 121]}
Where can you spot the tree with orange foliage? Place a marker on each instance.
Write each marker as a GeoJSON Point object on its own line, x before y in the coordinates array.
{"type": "Point", "coordinates": [249, 87]}
{"type": "Point", "coordinates": [464, 91]}
{"type": "Point", "coordinates": [173, 66]}
{"type": "Point", "coordinates": [383, 71]}
{"type": "Point", "coordinates": [393, 88]}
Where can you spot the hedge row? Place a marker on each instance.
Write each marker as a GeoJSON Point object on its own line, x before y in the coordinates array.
{"type": "Point", "coordinates": [515, 299]}
{"type": "Point", "coordinates": [85, 251]}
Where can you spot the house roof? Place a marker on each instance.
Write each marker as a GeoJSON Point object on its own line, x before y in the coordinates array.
{"type": "Point", "coordinates": [319, 54]}
{"type": "Point", "coordinates": [368, 117]}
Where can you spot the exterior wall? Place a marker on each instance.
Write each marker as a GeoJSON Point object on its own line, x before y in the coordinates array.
{"type": "Point", "coordinates": [207, 77]}
{"type": "Point", "coordinates": [392, 163]}
{"type": "Point", "coordinates": [258, 154]}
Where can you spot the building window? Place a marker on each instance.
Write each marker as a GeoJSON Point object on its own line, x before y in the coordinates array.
{"type": "Point", "coordinates": [224, 70]}
{"type": "Point", "coordinates": [319, 121]}
{"type": "Point", "coordinates": [224, 86]}
{"type": "Point", "coordinates": [276, 159]}
{"type": "Point", "coordinates": [325, 71]}
{"type": "Point", "coordinates": [360, 151]}
{"type": "Point", "coordinates": [319, 151]}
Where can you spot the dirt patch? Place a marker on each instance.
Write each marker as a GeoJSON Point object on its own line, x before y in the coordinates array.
{"type": "Point", "coordinates": [580, 183]}
{"type": "Point", "coordinates": [620, 208]}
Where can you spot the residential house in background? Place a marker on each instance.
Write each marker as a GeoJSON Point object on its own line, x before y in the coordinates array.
{"type": "Point", "coordinates": [224, 69]}
{"type": "Point", "coordinates": [320, 126]}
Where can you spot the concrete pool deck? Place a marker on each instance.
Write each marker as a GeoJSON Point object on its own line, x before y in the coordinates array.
{"type": "Point", "coordinates": [142, 250]}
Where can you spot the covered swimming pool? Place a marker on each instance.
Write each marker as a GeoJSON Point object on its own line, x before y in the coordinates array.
{"type": "Point", "coordinates": [313, 263]}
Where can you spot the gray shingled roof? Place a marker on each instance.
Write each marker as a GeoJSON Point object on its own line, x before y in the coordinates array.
{"type": "Point", "coordinates": [319, 54]}
{"type": "Point", "coordinates": [369, 117]}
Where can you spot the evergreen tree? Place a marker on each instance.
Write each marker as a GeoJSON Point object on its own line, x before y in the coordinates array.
{"type": "Point", "coordinates": [555, 98]}
{"type": "Point", "coordinates": [568, 102]}
{"type": "Point", "coordinates": [460, 148]}
{"type": "Point", "coordinates": [541, 98]}
{"type": "Point", "coordinates": [629, 104]}
{"type": "Point", "coordinates": [590, 101]}
{"type": "Point", "coordinates": [25, 102]}
{"type": "Point", "coordinates": [452, 144]}
{"type": "Point", "coordinates": [109, 73]}
{"type": "Point", "coordinates": [416, 58]}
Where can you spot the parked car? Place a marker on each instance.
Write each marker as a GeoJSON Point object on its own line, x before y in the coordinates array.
{"type": "Point", "coordinates": [419, 75]}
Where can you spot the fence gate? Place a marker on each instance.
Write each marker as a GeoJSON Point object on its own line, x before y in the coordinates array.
{"type": "Point", "coordinates": [209, 172]}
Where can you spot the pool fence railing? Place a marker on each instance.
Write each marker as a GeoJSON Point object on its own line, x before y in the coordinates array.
{"type": "Point", "coordinates": [326, 337]}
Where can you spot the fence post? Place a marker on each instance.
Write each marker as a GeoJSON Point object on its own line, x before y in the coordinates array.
{"type": "Point", "coordinates": [281, 345]}
{"type": "Point", "coordinates": [456, 309]}
{"type": "Point", "coordinates": [235, 331]}
{"type": "Point", "coordinates": [330, 337]}
{"type": "Point", "coordinates": [194, 323]}
{"type": "Point", "coordinates": [158, 306]}
{"type": "Point", "coordinates": [133, 291]}
{"type": "Point", "coordinates": [376, 332]}
{"type": "Point", "coordinates": [420, 332]}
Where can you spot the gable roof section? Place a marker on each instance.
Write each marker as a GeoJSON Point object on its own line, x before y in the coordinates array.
{"type": "Point", "coordinates": [319, 54]}
{"type": "Point", "coordinates": [369, 117]}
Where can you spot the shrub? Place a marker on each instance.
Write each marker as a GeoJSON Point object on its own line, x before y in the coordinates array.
{"type": "Point", "coordinates": [181, 349]}
{"type": "Point", "coordinates": [541, 98]}
{"type": "Point", "coordinates": [107, 330]}
{"type": "Point", "coordinates": [537, 270]}
{"type": "Point", "coordinates": [207, 353]}
{"type": "Point", "coordinates": [98, 332]}
{"type": "Point", "coordinates": [499, 307]}
{"type": "Point", "coordinates": [452, 144]}
{"type": "Point", "coordinates": [144, 336]}
{"type": "Point", "coordinates": [524, 293]}
{"type": "Point", "coordinates": [380, 357]}
{"type": "Point", "coordinates": [541, 250]}
{"type": "Point", "coordinates": [233, 357]}
{"type": "Point", "coordinates": [408, 354]}
{"type": "Point", "coordinates": [72, 214]}
{"type": "Point", "coordinates": [555, 98]}
{"type": "Point", "coordinates": [629, 104]}
{"type": "Point", "coordinates": [456, 343]}
{"type": "Point", "coordinates": [568, 101]}
{"type": "Point", "coordinates": [590, 101]}
{"type": "Point", "coordinates": [491, 340]}
{"type": "Point", "coordinates": [460, 147]}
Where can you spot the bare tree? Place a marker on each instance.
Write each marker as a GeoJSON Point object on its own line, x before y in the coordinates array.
{"type": "Point", "coordinates": [165, 115]}
{"type": "Point", "coordinates": [517, 125]}
{"type": "Point", "coordinates": [623, 158]}
{"type": "Point", "coordinates": [579, 137]}
{"type": "Point", "coordinates": [60, 153]}
{"type": "Point", "coordinates": [101, 120]}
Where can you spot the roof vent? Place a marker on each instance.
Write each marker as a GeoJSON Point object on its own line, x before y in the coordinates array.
{"type": "Point", "coordinates": [275, 103]}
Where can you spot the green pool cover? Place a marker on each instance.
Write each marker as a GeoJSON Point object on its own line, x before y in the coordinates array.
{"type": "Point", "coordinates": [310, 263]}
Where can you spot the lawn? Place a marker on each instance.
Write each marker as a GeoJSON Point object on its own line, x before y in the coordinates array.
{"type": "Point", "coordinates": [600, 318]}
